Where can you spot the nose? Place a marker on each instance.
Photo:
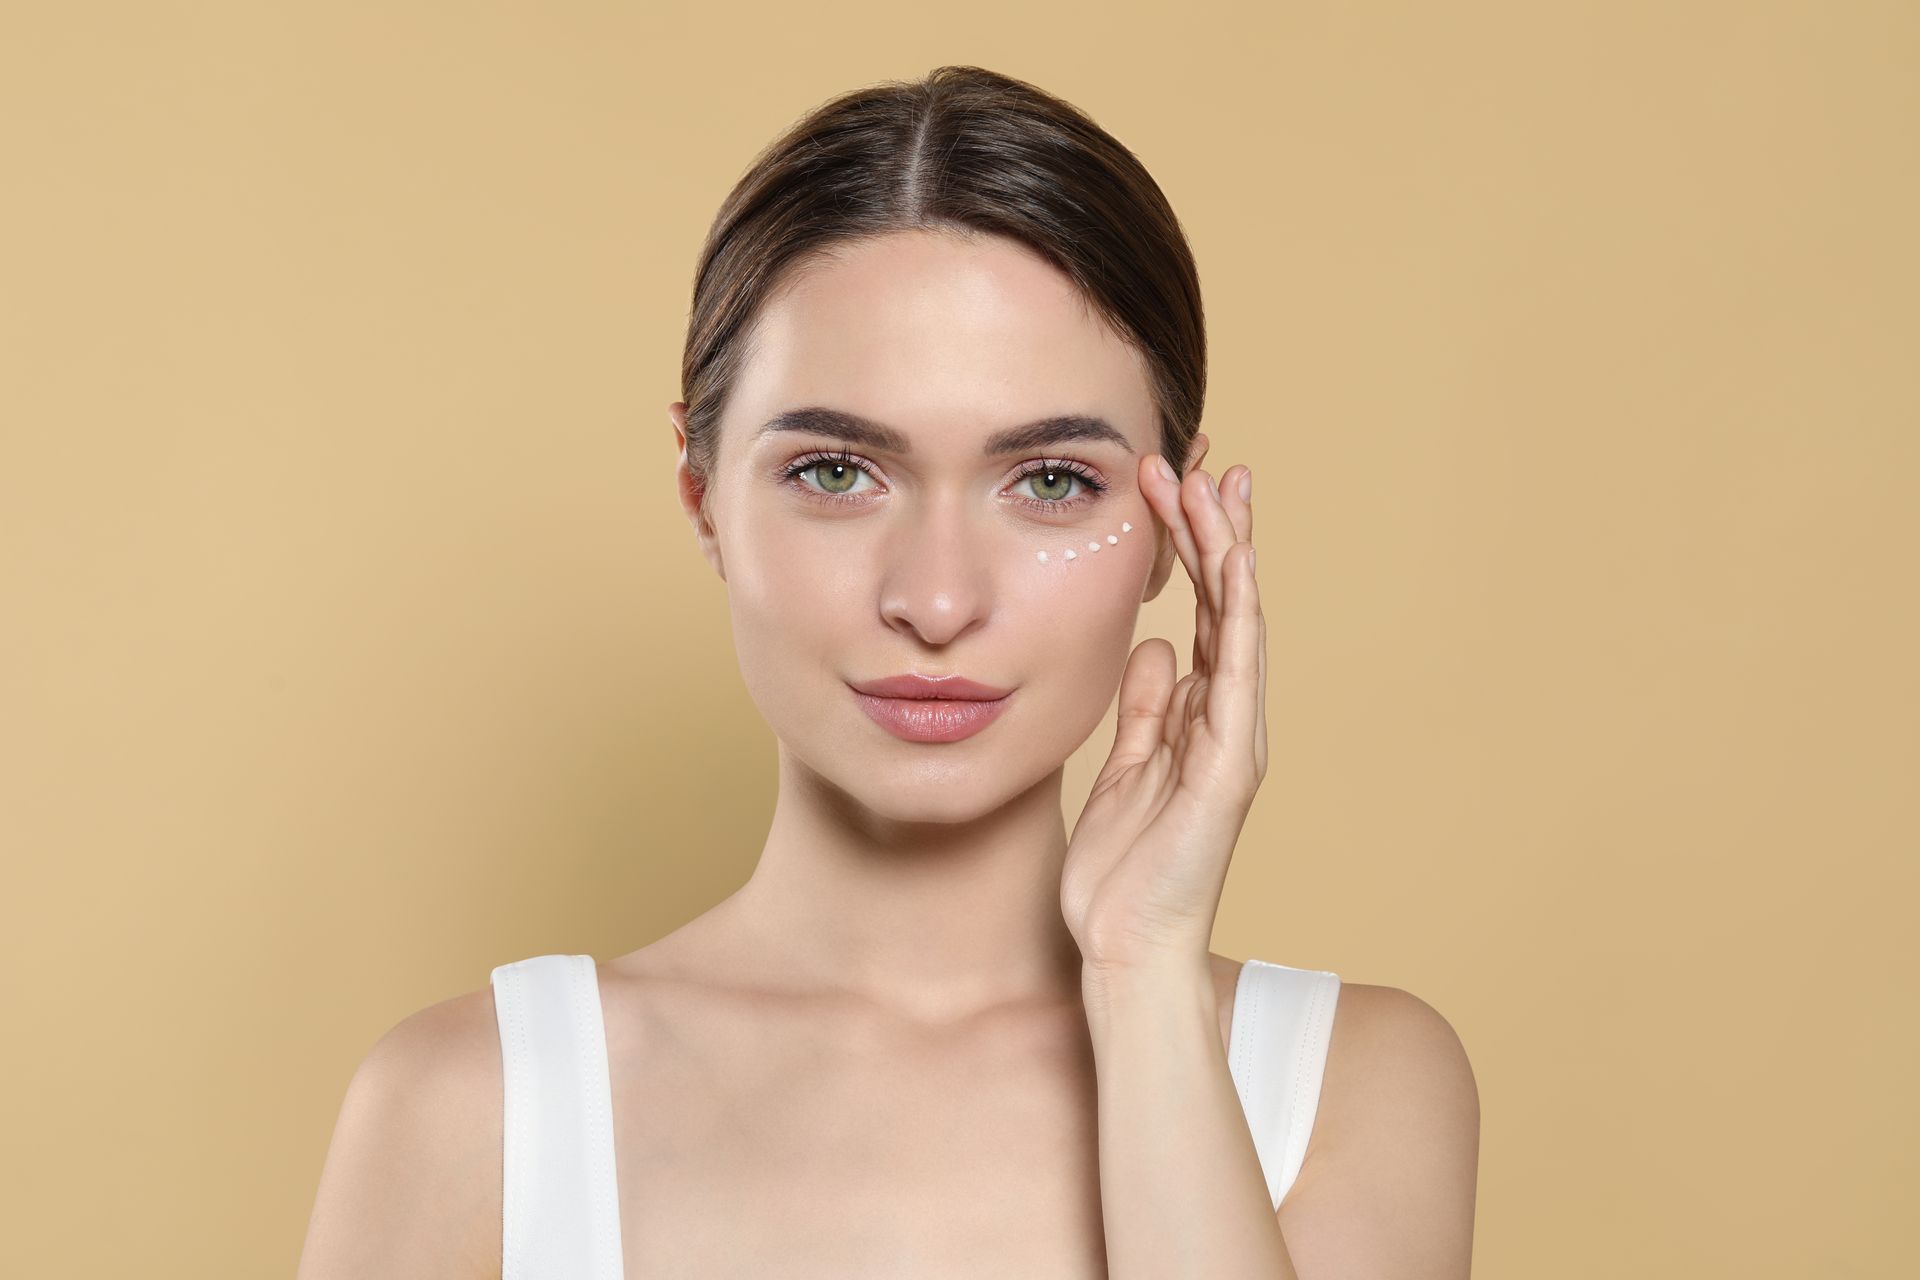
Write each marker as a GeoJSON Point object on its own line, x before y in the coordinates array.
{"type": "Point", "coordinates": [936, 585]}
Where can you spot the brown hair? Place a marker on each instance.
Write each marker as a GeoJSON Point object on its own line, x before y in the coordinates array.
{"type": "Point", "coordinates": [964, 150]}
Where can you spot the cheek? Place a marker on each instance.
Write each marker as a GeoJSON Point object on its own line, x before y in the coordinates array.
{"type": "Point", "coordinates": [1093, 573]}
{"type": "Point", "coordinates": [792, 590]}
{"type": "Point", "coordinates": [796, 583]}
{"type": "Point", "coordinates": [1078, 613]}
{"type": "Point", "coordinates": [797, 576]}
{"type": "Point", "coordinates": [1084, 583]}
{"type": "Point", "coordinates": [1069, 549]}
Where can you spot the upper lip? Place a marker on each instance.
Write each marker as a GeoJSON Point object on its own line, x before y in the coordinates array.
{"type": "Point", "coordinates": [958, 688]}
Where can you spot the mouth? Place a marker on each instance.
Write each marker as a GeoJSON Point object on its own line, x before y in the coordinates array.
{"type": "Point", "coordinates": [950, 688]}
{"type": "Point", "coordinates": [920, 709]}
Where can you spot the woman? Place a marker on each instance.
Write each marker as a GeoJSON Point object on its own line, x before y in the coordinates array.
{"type": "Point", "coordinates": [946, 340]}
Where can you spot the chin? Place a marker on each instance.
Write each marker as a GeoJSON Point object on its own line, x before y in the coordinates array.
{"type": "Point", "coordinates": [950, 789]}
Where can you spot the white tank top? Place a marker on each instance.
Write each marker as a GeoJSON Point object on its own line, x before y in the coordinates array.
{"type": "Point", "coordinates": [560, 1198]}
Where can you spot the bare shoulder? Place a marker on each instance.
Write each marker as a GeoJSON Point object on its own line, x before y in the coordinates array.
{"type": "Point", "coordinates": [411, 1184]}
{"type": "Point", "coordinates": [1386, 1037]}
{"type": "Point", "coordinates": [1387, 1186]}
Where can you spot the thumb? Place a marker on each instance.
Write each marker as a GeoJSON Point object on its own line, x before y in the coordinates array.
{"type": "Point", "coordinates": [1145, 690]}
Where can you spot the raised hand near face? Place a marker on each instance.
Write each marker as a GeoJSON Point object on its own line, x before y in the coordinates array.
{"type": "Point", "coordinates": [1148, 858]}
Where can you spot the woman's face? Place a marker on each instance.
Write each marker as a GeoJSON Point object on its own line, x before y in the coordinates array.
{"type": "Point", "coordinates": [925, 546]}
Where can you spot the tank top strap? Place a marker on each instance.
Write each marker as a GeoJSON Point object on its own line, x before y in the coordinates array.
{"type": "Point", "coordinates": [560, 1205]}
{"type": "Point", "coordinates": [1282, 1023]}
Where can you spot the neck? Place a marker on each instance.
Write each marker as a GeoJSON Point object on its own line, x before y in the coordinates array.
{"type": "Point", "coordinates": [935, 919]}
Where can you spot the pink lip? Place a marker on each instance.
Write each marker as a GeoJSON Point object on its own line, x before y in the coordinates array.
{"type": "Point", "coordinates": [948, 688]}
{"type": "Point", "coordinates": [922, 710]}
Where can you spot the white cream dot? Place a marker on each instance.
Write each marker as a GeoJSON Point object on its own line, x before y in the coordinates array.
{"type": "Point", "coordinates": [1043, 557]}
{"type": "Point", "coordinates": [1112, 541]}
{"type": "Point", "coordinates": [1093, 546]}
{"type": "Point", "coordinates": [1125, 527]}
{"type": "Point", "coordinates": [1069, 553]}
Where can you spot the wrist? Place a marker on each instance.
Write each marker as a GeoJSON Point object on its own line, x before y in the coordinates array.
{"type": "Point", "coordinates": [1163, 980]}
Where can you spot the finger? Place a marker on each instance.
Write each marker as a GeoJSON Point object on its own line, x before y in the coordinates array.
{"type": "Point", "coordinates": [1203, 629]}
{"type": "Point", "coordinates": [1180, 711]}
{"type": "Point", "coordinates": [1194, 487]}
{"type": "Point", "coordinates": [1260, 699]}
{"type": "Point", "coordinates": [1239, 509]}
{"type": "Point", "coordinates": [1163, 495]}
{"type": "Point", "coordinates": [1212, 532]}
{"type": "Point", "coordinates": [1233, 688]}
{"type": "Point", "coordinates": [1147, 687]}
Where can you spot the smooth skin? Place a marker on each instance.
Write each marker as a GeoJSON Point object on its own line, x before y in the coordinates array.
{"type": "Point", "coordinates": [879, 1055]}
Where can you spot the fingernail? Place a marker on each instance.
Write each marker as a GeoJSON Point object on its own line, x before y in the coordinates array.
{"type": "Point", "coordinates": [1165, 470]}
{"type": "Point", "coordinates": [1246, 486]}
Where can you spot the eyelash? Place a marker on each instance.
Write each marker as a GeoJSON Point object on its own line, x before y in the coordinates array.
{"type": "Point", "coordinates": [1040, 466]}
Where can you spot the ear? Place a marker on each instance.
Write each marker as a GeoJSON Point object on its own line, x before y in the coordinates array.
{"type": "Point", "coordinates": [1164, 554]}
{"type": "Point", "coordinates": [693, 494]}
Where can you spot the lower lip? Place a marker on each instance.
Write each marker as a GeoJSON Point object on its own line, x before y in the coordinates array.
{"type": "Point", "coordinates": [931, 719]}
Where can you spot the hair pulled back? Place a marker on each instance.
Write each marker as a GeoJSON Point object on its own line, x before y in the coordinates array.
{"type": "Point", "coordinates": [962, 150]}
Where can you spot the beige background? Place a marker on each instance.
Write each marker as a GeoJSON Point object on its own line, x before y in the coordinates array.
{"type": "Point", "coordinates": [353, 643]}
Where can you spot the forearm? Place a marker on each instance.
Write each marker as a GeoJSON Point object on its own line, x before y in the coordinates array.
{"type": "Point", "coordinates": [1181, 1186]}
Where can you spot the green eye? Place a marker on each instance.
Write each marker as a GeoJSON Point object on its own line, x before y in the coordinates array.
{"type": "Point", "coordinates": [837, 475]}
{"type": "Point", "coordinates": [1052, 481]}
{"type": "Point", "coordinates": [848, 475]}
{"type": "Point", "coordinates": [834, 476]}
{"type": "Point", "coordinates": [1063, 481]}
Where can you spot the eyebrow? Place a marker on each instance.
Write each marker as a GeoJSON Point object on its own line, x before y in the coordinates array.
{"type": "Point", "coordinates": [851, 427]}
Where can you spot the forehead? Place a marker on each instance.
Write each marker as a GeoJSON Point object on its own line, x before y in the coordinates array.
{"type": "Point", "coordinates": [936, 334]}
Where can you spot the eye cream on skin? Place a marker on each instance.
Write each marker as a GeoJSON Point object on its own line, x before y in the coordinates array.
{"type": "Point", "coordinates": [1070, 553]}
